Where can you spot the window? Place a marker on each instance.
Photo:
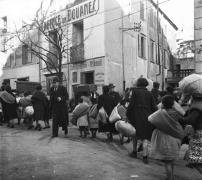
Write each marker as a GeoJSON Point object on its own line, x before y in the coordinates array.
{"type": "Point", "coordinates": [142, 10]}
{"type": "Point", "coordinates": [74, 77]}
{"type": "Point", "coordinates": [24, 54]}
{"type": "Point", "coordinates": [18, 56]}
{"type": "Point", "coordinates": [8, 62]}
{"type": "Point", "coordinates": [52, 48]}
{"type": "Point", "coordinates": [142, 46]}
{"type": "Point", "coordinates": [77, 33]}
{"type": "Point", "coordinates": [12, 59]}
{"type": "Point", "coordinates": [152, 51]}
{"type": "Point", "coordinates": [151, 18]}
{"type": "Point", "coordinates": [165, 55]}
{"type": "Point", "coordinates": [77, 49]}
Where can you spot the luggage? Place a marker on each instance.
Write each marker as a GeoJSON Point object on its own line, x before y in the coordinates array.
{"type": "Point", "coordinates": [102, 115]}
{"type": "Point", "coordinates": [125, 128]}
{"type": "Point", "coordinates": [93, 111]}
{"type": "Point", "coordinates": [114, 116]}
{"type": "Point", "coordinates": [29, 110]}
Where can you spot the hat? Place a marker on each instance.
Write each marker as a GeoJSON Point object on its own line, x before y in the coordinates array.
{"type": "Point", "coordinates": [56, 79]}
{"type": "Point", "coordinates": [111, 85]}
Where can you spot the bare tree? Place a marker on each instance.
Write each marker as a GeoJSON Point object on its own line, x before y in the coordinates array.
{"type": "Point", "coordinates": [50, 46]}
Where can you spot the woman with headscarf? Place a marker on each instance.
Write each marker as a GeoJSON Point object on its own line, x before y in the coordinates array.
{"type": "Point", "coordinates": [142, 104]}
{"type": "Point", "coordinates": [9, 105]}
{"type": "Point", "coordinates": [108, 103]}
{"type": "Point", "coordinates": [40, 105]}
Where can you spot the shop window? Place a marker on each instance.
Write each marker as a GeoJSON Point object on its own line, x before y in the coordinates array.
{"type": "Point", "coordinates": [142, 46]}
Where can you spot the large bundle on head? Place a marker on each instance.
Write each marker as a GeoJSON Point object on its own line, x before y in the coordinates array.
{"type": "Point", "coordinates": [191, 84]}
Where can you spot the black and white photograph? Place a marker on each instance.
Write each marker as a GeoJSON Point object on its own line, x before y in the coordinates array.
{"type": "Point", "coordinates": [100, 89]}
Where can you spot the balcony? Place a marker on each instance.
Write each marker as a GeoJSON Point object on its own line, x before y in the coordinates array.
{"type": "Point", "coordinates": [77, 53]}
{"type": "Point", "coordinates": [177, 75]}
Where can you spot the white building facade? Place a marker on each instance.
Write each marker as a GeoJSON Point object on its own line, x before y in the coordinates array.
{"type": "Point", "coordinates": [104, 48]}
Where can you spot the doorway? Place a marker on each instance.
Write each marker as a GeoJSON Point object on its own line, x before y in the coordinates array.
{"type": "Point", "coordinates": [87, 77]}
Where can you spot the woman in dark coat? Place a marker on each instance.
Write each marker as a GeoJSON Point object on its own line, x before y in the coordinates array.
{"type": "Point", "coordinates": [142, 104]}
{"type": "Point", "coordinates": [9, 105]}
{"type": "Point", "coordinates": [194, 118]}
{"type": "Point", "coordinates": [39, 101]}
{"type": "Point", "coordinates": [108, 103]}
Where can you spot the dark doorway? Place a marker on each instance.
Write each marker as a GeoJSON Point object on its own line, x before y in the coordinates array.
{"type": "Point", "coordinates": [87, 77]}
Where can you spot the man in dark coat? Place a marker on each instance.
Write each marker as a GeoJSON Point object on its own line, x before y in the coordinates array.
{"type": "Point", "coordinates": [115, 95]}
{"type": "Point", "coordinates": [58, 105]}
{"type": "Point", "coordinates": [94, 95]}
{"type": "Point", "coordinates": [155, 92]}
{"type": "Point", "coordinates": [142, 104]}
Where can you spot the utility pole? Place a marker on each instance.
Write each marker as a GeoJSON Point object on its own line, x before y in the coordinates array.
{"type": "Point", "coordinates": [122, 47]}
{"type": "Point", "coordinates": [136, 28]}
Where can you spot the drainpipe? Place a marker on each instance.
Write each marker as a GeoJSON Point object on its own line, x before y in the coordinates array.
{"type": "Point", "coordinates": [158, 53]}
{"type": "Point", "coordinates": [122, 46]}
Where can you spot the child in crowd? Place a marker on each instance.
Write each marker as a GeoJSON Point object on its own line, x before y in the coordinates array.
{"type": "Point", "coordinates": [122, 108]}
{"type": "Point", "coordinates": [167, 136]}
{"type": "Point", "coordinates": [81, 113]}
{"type": "Point", "coordinates": [93, 121]}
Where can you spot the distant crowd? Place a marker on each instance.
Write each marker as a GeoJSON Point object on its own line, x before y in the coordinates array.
{"type": "Point", "coordinates": [161, 118]}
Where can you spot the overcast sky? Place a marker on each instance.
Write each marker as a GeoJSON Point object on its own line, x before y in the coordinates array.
{"type": "Point", "coordinates": [181, 12]}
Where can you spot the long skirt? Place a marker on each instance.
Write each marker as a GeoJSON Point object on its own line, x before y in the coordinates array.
{"type": "Point", "coordinates": [194, 153]}
{"type": "Point", "coordinates": [164, 146]}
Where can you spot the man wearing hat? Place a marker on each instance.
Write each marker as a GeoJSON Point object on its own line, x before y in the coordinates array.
{"type": "Point", "coordinates": [114, 94]}
{"type": "Point", "coordinates": [58, 103]}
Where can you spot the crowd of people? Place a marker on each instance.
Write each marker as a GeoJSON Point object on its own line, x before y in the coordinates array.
{"type": "Point", "coordinates": [160, 118]}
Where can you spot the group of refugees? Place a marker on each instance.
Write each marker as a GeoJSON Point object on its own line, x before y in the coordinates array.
{"type": "Point", "coordinates": [158, 117]}
{"type": "Point", "coordinates": [24, 106]}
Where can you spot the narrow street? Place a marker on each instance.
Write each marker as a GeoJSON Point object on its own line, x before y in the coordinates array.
{"type": "Point", "coordinates": [28, 154]}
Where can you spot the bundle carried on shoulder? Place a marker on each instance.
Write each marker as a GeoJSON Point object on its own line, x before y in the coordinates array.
{"type": "Point", "coordinates": [93, 111]}
{"type": "Point", "coordinates": [93, 121]}
{"type": "Point", "coordinates": [125, 128]}
{"type": "Point", "coordinates": [165, 123]}
{"type": "Point", "coordinates": [102, 116]}
{"type": "Point", "coordinates": [29, 110]}
{"type": "Point", "coordinates": [80, 110]}
{"type": "Point", "coordinates": [114, 115]}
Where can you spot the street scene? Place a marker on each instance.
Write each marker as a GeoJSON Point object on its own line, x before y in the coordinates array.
{"type": "Point", "coordinates": [100, 89]}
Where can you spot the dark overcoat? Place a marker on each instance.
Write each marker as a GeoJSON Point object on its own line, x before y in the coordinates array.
{"type": "Point", "coordinates": [59, 109]}
{"type": "Point", "coordinates": [39, 101]}
{"type": "Point", "coordinates": [108, 103]}
{"type": "Point", "coordinates": [142, 104]}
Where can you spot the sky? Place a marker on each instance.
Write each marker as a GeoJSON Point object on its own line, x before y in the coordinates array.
{"type": "Point", "coordinates": [181, 12]}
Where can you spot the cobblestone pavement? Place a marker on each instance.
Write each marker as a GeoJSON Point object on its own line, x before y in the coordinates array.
{"type": "Point", "coordinates": [33, 155]}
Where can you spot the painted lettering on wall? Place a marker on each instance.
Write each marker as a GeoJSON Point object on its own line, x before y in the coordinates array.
{"type": "Point", "coordinates": [75, 13]}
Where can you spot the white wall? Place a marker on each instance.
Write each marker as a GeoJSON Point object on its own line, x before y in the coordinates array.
{"type": "Point", "coordinates": [31, 71]}
{"type": "Point", "coordinates": [94, 34]}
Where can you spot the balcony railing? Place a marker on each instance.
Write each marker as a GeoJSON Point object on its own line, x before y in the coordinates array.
{"type": "Point", "coordinates": [77, 53]}
{"type": "Point", "coordinates": [176, 75]}
{"type": "Point", "coordinates": [182, 73]}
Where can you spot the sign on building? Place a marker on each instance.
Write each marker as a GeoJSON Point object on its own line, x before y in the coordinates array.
{"type": "Point", "coordinates": [73, 14]}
